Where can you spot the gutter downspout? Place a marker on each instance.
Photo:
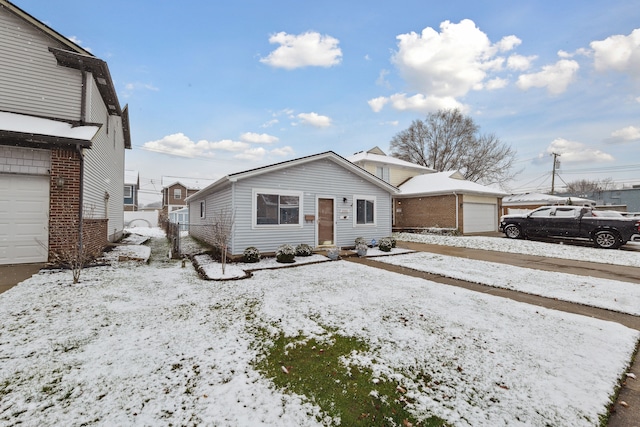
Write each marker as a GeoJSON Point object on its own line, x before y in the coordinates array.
{"type": "Point", "coordinates": [80, 199]}
{"type": "Point", "coordinates": [457, 212]}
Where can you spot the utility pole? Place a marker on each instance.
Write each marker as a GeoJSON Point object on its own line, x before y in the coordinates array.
{"type": "Point", "coordinates": [553, 173]}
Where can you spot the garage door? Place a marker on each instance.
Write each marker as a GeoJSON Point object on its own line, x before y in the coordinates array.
{"type": "Point", "coordinates": [480, 217]}
{"type": "Point", "coordinates": [24, 205]}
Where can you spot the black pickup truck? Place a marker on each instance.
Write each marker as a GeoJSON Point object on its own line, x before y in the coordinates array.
{"type": "Point", "coordinates": [572, 222]}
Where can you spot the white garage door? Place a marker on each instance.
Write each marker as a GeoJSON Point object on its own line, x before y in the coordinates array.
{"type": "Point", "coordinates": [24, 205]}
{"type": "Point", "coordinates": [480, 217]}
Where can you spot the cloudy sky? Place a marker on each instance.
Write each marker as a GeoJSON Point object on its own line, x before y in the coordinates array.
{"type": "Point", "coordinates": [220, 87]}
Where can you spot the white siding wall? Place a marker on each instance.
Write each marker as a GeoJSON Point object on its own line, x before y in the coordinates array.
{"type": "Point", "coordinates": [321, 178]}
{"type": "Point", "coordinates": [33, 83]}
{"type": "Point", "coordinates": [104, 165]}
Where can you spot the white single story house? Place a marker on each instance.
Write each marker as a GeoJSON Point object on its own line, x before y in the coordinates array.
{"type": "Point", "coordinates": [322, 200]}
{"type": "Point", "coordinates": [447, 200]}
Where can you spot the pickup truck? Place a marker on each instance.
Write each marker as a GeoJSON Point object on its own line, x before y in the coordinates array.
{"type": "Point", "coordinates": [572, 222]}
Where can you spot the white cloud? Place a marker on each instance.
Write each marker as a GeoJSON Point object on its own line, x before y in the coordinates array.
{"type": "Point", "coordinates": [283, 151]}
{"type": "Point", "coordinates": [442, 66]}
{"type": "Point", "coordinates": [77, 41]}
{"type": "Point", "coordinates": [418, 102]}
{"type": "Point", "coordinates": [178, 144]}
{"type": "Point", "coordinates": [270, 123]}
{"type": "Point", "coordinates": [252, 154]}
{"type": "Point", "coordinates": [576, 152]}
{"type": "Point", "coordinates": [314, 119]}
{"type": "Point", "coordinates": [303, 50]}
{"type": "Point", "coordinates": [520, 62]}
{"type": "Point", "coordinates": [556, 78]}
{"type": "Point", "coordinates": [258, 138]}
{"type": "Point", "coordinates": [619, 53]}
{"type": "Point", "coordinates": [378, 103]}
{"type": "Point", "coordinates": [382, 79]}
{"type": "Point", "coordinates": [449, 63]}
{"type": "Point", "coordinates": [496, 83]}
{"type": "Point", "coordinates": [627, 134]}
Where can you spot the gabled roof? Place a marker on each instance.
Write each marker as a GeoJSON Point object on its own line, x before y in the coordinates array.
{"type": "Point", "coordinates": [440, 183]}
{"type": "Point", "coordinates": [328, 155]}
{"type": "Point", "coordinates": [371, 156]}
{"type": "Point", "coordinates": [188, 183]}
{"type": "Point", "coordinates": [131, 178]}
{"type": "Point", "coordinates": [75, 56]}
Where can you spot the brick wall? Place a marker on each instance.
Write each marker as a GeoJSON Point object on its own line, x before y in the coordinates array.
{"type": "Point", "coordinates": [421, 212]}
{"type": "Point", "coordinates": [64, 204]}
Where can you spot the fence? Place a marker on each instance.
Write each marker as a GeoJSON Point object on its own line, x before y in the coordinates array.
{"type": "Point", "coordinates": [174, 232]}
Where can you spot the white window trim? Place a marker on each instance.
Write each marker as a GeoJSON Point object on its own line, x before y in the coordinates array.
{"type": "Point", "coordinates": [203, 210]}
{"type": "Point", "coordinates": [177, 191]}
{"type": "Point", "coordinates": [355, 199]}
{"type": "Point", "coordinates": [254, 208]}
{"type": "Point", "coordinates": [130, 191]}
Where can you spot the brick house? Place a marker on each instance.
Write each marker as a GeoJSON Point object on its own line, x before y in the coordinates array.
{"type": "Point", "coordinates": [63, 137]}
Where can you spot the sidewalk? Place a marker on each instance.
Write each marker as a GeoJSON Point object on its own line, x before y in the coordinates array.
{"type": "Point", "coordinates": [621, 416]}
{"type": "Point", "coordinates": [11, 275]}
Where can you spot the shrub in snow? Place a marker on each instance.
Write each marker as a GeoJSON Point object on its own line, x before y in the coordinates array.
{"type": "Point", "coordinates": [285, 253]}
{"type": "Point", "coordinates": [393, 241]}
{"type": "Point", "coordinates": [361, 249]}
{"type": "Point", "coordinates": [361, 240]}
{"type": "Point", "coordinates": [304, 250]}
{"type": "Point", "coordinates": [333, 253]}
{"type": "Point", "coordinates": [385, 244]}
{"type": "Point", "coordinates": [251, 254]}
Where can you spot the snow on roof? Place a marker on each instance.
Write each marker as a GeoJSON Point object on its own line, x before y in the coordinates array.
{"type": "Point", "coordinates": [444, 183]}
{"type": "Point", "coordinates": [540, 198]}
{"type": "Point", "coordinates": [131, 177]}
{"type": "Point", "coordinates": [21, 123]}
{"type": "Point", "coordinates": [190, 183]}
{"type": "Point", "coordinates": [365, 156]}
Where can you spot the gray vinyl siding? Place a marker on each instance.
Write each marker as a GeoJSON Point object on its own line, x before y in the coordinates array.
{"type": "Point", "coordinates": [200, 228]}
{"type": "Point", "coordinates": [104, 165]}
{"type": "Point", "coordinates": [33, 82]}
{"type": "Point", "coordinates": [320, 178]}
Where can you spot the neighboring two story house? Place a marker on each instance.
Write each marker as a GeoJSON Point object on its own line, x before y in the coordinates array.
{"type": "Point", "coordinates": [175, 193]}
{"type": "Point", "coordinates": [131, 186]}
{"type": "Point", "coordinates": [63, 136]}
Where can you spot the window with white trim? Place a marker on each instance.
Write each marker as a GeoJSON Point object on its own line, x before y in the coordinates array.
{"type": "Point", "coordinates": [128, 191]}
{"type": "Point", "coordinates": [277, 208]}
{"type": "Point", "coordinates": [365, 210]}
{"type": "Point", "coordinates": [177, 193]}
{"type": "Point", "coordinates": [202, 209]}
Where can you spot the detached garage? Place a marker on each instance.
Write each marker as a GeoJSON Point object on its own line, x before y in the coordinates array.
{"type": "Point", "coordinates": [446, 200]}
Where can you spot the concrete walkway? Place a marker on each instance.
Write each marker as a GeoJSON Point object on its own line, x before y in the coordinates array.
{"type": "Point", "coordinates": [621, 415]}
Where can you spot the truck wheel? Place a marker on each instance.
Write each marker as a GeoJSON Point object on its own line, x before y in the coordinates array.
{"type": "Point", "coordinates": [513, 231]}
{"type": "Point", "coordinates": [607, 240]}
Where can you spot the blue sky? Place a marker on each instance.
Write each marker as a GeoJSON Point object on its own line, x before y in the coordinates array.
{"type": "Point", "coordinates": [220, 87]}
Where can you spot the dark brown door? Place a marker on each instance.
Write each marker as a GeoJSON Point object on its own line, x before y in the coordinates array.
{"type": "Point", "coordinates": [325, 222]}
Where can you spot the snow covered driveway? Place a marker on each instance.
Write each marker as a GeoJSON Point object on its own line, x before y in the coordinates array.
{"type": "Point", "coordinates": [153, 344]}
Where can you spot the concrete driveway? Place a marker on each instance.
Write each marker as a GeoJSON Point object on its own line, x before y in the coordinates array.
{"type": "Point", "coordinates": [12, 274]}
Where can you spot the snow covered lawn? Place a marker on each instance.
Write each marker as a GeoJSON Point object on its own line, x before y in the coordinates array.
{"type": "Point", "coordinates": [138, 344]}
{"type": "Point", "coordinates": [530, 247]}
{"type": "Point", "coordinates": [623, 297]}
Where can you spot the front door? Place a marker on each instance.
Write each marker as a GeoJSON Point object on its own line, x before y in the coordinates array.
{"type": "Point", "coordinates": [325, 222]}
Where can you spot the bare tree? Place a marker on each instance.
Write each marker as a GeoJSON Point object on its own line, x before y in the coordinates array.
{"type": "Point", "coordinates": [448, 140]}
{"type": "Point", "coordinates": [585, 186]}
{"type": "Point", "coordinates": [222, 228]}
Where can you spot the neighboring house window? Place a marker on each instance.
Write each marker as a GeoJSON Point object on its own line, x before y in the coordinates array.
{"type": "Point", "coordinates": [128, 191]}
{"type": "Point", "coordinates": [177, 193]}
{"type": "Point", "coordinates": [382, 173]}
{"type": "Point", "coordinates": [277, 208]}
{"type": "Point", "coordinates": [202, 211]}
{"type": "Point", "coordinates": [365, 210]}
